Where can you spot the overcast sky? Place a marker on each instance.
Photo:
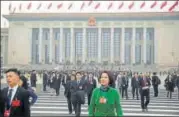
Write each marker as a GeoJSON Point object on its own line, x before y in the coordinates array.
{"type": "Point", "coordinates": [77, 5]}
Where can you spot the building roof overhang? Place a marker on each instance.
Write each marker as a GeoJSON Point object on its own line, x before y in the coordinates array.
{"type": "Point", "coordinates": [85, 16]}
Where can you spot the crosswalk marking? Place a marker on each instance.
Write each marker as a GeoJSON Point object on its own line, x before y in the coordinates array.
{"type": "Point", "coordinates": [48, 105]}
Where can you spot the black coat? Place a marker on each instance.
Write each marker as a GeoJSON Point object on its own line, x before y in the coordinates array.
{"type": "Point", "coordinates": [135, 83]}
{"type": "Point", "coordinates": [155, 80]}
{"type": "Point", "coordinates": [33, 80]}
{"type": "Point", "coordinates": [89, 86]}
{"type": "Point", "coordinates": [78, 91]}
{"type": "Point", "coordinates": [45, 79]}
{"type": "Point", "coordinates": [125, 82]}
{"type": "Point", "coordinates": [23, 96]}
{"type": "Point", "coordinates": [57, 82]}
{"type": "Point", "coordinates": [170, 84]}
{"type": "Point", "coordinates": [2, 104]}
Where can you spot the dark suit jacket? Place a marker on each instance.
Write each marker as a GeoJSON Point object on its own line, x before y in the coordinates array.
{"type": "Point", "coordinates": [1, 104]}
{"type": "Point", "coordinates": [89, 86]}
{"type": "Point", "coordinates": [33, 79]}
{"type": "Point", "coordinates": [67, 92]}
{"type": "Point", "coordinates": [135, 83]}
{"type": "Point", "coordinates": [57, 82]}
{"type": "Point", "coordinates": [23, 96]}
{"type": "Point", "coordinates": [141, 82]}
{"type": "Point", "coordinates": [45, 79]}
{"type": "Point", "coordinates": [74, 87]}
{"type": "Point", "coordinates": [77, 91]}
{"type": "Point", "coordinates": [125, 81]}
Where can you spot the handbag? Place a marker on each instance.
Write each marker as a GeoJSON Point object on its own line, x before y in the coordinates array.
{"type": "Point", "coordinates": [81, 96]}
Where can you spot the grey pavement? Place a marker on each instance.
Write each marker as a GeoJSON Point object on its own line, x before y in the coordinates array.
{"type": "Point", "coordinates": [48, 105]}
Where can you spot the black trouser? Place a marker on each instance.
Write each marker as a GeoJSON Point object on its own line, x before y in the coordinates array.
{"type": "Point", "coordinates": [135, 90]}
{"type": "Point", "coordinates": [89, 98]}
{"type": "Point", "coordinates": [69, 102]}
{"type": "Point", "coordinates": [57, 91]}
{"type": "Point", "coordinates": [120, 90]}
{"type": "Point", "coordinates": [155, 90]}
{"type": "Point", "coordinates": [169, 93]}
{"type": "Point", "coordinates": [77, 108]}
{"type": "Point", "coordinates": [124, 89]}
{"type": "Point", "coordinates": [145, 93]}
{"type": "Point", "coordinates": [44, 87]}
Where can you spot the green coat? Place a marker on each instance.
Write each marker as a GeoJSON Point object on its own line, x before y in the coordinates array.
{"type": "Point", "coordinates": [111, 108]}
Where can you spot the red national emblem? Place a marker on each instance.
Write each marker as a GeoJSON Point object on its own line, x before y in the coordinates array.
{"type": "Point", "coordinates": [92, 21]}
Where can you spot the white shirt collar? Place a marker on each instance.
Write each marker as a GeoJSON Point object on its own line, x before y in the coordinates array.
{"type": "Point", "coordinates": [14, 88]}
{"type": "Point", "coordinates": [13, 92]}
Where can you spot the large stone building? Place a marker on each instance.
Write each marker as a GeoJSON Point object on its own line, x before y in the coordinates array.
{"type": "Point", "coordinates": [126, 38]}
{"type": "Point", "coordinates": [4, 46]}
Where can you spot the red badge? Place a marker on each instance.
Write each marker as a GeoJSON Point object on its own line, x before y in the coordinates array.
{"type": "Point", "coordinates": [15, 103]}
{"type": "Point", "coordinates": [6, 113]}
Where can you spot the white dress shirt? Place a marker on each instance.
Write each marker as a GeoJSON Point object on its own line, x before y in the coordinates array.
{"type": "Point", "coordinates": [14, 90]}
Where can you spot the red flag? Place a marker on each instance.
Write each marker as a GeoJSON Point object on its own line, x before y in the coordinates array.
{"type": "Point", "coordinates": [97, 6]}
{"type": "Point", "coordinates": [60, 5]}
{"type": "Point", "coordinates": [121, 5]}
{"type": "Point", "coordinates": [90, 2]}
{"type": "Point", "coordinates": [110, 5]}
{"type": "Point", "coordinates": [50, 5]}
{"type": "Point", "coordinates": [40, 4]}
{"type": "Point", "coordinates": [153, 5]}
{"type": "Point", "coordinates": [83, 4]}
{"type": "Point", "coordinates": [10, 6]}
{"type": "Point", "coordinates": [20, 7]}
{"type": "Point", "coordinates": [163, 5]}
{"type": "Point", "coordinates": [173, 6]}
{"type": "Point", "coordinates": [69, 7]}
{"type": "Point", "coordinates": [142, 5]}
{"type": "Point", "coordinates": [131, 5]}
{"type": "Point", "coordinates": [29, 5]}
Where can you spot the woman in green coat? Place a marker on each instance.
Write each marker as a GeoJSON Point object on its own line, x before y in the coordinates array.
{"type": "Point", "coordinates": [105, 101]}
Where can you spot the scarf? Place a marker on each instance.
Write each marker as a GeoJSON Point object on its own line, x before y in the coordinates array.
{"type": "Point", "coordinates": [104, 88]}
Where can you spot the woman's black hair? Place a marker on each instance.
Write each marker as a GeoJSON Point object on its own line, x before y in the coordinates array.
{"type": "Point", "coordinates": [73, 76]}
{"type": "Point", "coordinates": [111, 80]}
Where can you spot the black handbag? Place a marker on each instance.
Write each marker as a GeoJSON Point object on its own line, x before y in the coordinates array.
{"type": "Point", "coordinates": [81, 96]}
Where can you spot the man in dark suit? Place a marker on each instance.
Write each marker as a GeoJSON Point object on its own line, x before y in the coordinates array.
{"type": "Point", "coordinates": [125, 84]}
{"type": "Point", "coordinates": [145, 84]}
{"type": "Point", "coordinates": [45, 80]}
{"type": "Point", "coordinates": [135, 86]}
{"type": "Point", "coordinates": [77, 90]}
{"type": "Point", "coordinates": [16, 99]}
{"type": "Point", "coordinates": [90, 85]}
{"type": "Point", "coordinates": [155, 82]}
{"type": "Point", "coordinates": [57, 82]}
{"type": "Point", "coordinates": [33, 79]}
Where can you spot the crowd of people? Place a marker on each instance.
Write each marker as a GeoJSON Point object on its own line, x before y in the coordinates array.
{"type": "Point", "coordinates": [104, 90]}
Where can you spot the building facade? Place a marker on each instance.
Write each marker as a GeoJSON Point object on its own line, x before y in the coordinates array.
{"type": "Point", "coordinates": [4, 46]}
{"type": "Point", "coordinates": [125, 38]}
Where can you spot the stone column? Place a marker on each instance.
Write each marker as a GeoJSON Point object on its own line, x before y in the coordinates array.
{"type": "Point", "coordinates": [112, 45]}
{"type": "Point", "coordinates": [84, 46]}
{"type": "Point", "coordinates": [133, 45]}
{"type": "Point", "coordinates": [122, 46]}
{"type": "Point", "coordinates": [30, 41]}
{"type": "Point", "coordinates": [144, 47]}
{"type": "Point", "coordinates": [51, 46]}
{"type": "Point", "coordinates": [61, 45]}
{"type": "Point", "coordinates": [72, 55]}
{"type": "Point", "coordinates": [40, 44]}
{"type": "Point", "coordinates": [99, 45]}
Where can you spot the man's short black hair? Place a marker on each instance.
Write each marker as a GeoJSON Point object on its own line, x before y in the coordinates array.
{"type": "Point", "coordinates": [15, 70]}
